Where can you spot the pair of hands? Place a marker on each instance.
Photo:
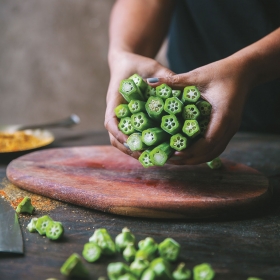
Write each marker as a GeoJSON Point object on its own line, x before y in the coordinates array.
{"type": "Point", "coordinates": [223, 84]}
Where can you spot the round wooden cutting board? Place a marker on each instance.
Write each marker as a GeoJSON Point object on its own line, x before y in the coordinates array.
{"type": "Point", "coordinates": [105, 179]}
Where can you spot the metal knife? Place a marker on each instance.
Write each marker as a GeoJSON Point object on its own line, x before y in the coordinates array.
{"type": "Point", "coordinates": [10, 233]}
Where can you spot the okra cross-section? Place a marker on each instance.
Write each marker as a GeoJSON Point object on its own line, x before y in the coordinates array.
{"type": "Point", "coordinates": [141, 121]}
{"type": "Point", "coordinates": [130, 91]}
{"type": "Point", "coordinates": [139, 82]}
{"type": "Point", "coordinates": [160, 154]}
{"type": "Point", "coordinates": [150, 91]}
{"type": "Point", "coordinates": [190, 112]}
{"type": "Point", "coordinates": [125, 126]}
{"type": "Point", "coordinates": [176, 93]}
{"type": "Point", "coordinates": [122, 111]}
{"type": "Point", "coordinates": [155, 107]}
{"type": "Point", "coordinates": [191, 128]}
{"type": "Point", "coordinates": [173, 105]}
{"type": "Point", "coordinates": [216, 163]}
{"type": "Point", "coordinates": [204, 108]}
{"type": "Point", "coordinates": [190, 95]}
{"type": "Point", "coordinates": [170, 124]}
{"type": "Point", "coordinates": [154, 136]}
{"type": "Point", "coordinates": [145, 159]}
{"type": "Point", "coordinates": [136, 106]}
{"type": "Point", "coordinates": [178, 142]}
{"type": "Point", "coordinates": [135, 143]}
{"type": "Point", "coordinates": [163, 91]}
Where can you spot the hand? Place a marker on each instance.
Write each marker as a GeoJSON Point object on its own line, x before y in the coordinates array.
{"type": "Point", "coordinates": [122, 66]}
{"type": "Point", "coordinates": [225, 85]}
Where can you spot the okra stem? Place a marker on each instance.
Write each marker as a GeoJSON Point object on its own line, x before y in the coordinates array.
{"type": "Point", "coordinates": [139, 82]}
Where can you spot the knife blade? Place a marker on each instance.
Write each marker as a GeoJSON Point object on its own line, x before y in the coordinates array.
{"type": "Point", "coordinates": [10, 232]}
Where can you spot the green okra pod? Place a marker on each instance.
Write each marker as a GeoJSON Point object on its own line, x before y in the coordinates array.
{"type": "Point", "coordinates": [179, 142]}
{"type": "Point", "coordinates": [216, 163]}
{"type": "Point", "coordinates": [191, 128]}
{"type": "Point", "coordinates": [154, 136]}
{"type": "Point", "coordinates": [123, 239]}
{"type": "Point", "coordinates": [203, 124]}
{"type": "Point", "coordinates": [155, 108]}
{"type": "Point", "coordinates": [190, 95]}
{"type": "Point", "coordinates": [145, 159]}
{"type": "Point", "coordinates": [204, 108]}
{"type": "Point", "coordinates": [125, 126]}
{"type": "Point", "coordinates": [139, 82]}
{"type": "Point", "coordinates": [150, 91]}
{"type": "Point", "coordinates": [136, 106]}
{"type": "Point", "coordinates": [130, 91]}
{"type": "Point", "coordinates": [173, 105]}
{"type": "Point", "coordinates": [163, 91]}
{"type": "Point", "coordinates": [171, 124]}
{"type": "Point", "coordinates": [129, 252]}
{"type": "Point", "coordinates": [141, 121]}
{"type": "Point", "coordinates": [160, 154]}
{"type": "Point", "coordinates": [176, 93]}
{"type": "Point", "coordinates": [25, 206]}
{"type": "Point", "coordinates": [169, 249]}
{"type": "Point", "coordinates": [116, 270]}
{"type": "Point", "coordinates": [190, 112]}
{"type": "Point", "coordinates": [135, 142]}
{"type": "Point", "coordinates": [122, 111]}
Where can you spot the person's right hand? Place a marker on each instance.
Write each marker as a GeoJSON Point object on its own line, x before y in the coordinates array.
{"type": "Point", "coordinates": [123, 65]}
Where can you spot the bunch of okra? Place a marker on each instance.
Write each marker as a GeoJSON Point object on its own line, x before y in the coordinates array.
{"type": "Point", "coordinates": [160, 121]}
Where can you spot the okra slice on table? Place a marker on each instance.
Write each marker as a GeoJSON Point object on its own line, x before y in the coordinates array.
{"type": "Point", "coordinates": [123, 239]}
{"type": "Point", "coordinates": [149, 274]}
{"type": "Point", "coordinates": [216, 163]}
{"type": "Point", "coordinates": [178, 142]}
{"type": "Point", "coordinates": [190, 112]}
{"type": "Point", "coordinates": [136, 106]}
{"type": "Point", "coordinates": [32, 225]}
{"type": "Point", "coordinates": [176, 93]}
{"type": "Point", "coordinates": [169, 249]}
{"type": "Point", "coordinates": [73, 267]}
{"type": "Point", "coordinates": [170, 124]}
{"type": "Point", "coordinates": [135, 142]}
{"type": "Point", "coordinates": [54, 230]}
{"type": "Point", "coordinates": [203, 124]}
{"type": "Point", "coordinates": [154, 136]}
{"type": "Point", "coordinates": [138, 266]}
{"type": "Point", "coordinates": [182, 272]}
{"type": "Point", "coordinates": [25, 206]}
{"type": "Point", "coordinates": [122, 111]}
{"type": "Point", "coordinates": [190, 95]}
{"type": "Point", "coordinates": [149, 245]}
{"type": "Point", "coordinates": [141, 121]}
{"type": "Point", "coordinates": [191, 128]}
{"type": "Point", "coordinates": [42, 224]}
{"type": "Point", "coordinates": [161, 268]}
{"type": "Point", "coordinates": [145, 159]}
{"type": "Point", "coordinates": [91, 252]}
{"type": "Point", "coordinates": [155, 108]}
{"type": "Point", "coordinates": [163, 91]}
{"type": "Point", "coordinates": [125, 126]}
{"type": "Point", "coordinates": [150, 91]}
{"type": "Point", "coordinates": [139, 82]}
{"type": "Point", "coordinates": [204, 108]}
{"type": "Point", "coordinates": [161, 153]}
{"type": "Point", "coordinates": [129, 252]}
{"type": "Point", "coordinates": [203, 271]}
{"type": "Point", "coordinates": [130, 91]}
{"type": "Point", "coordinates": [117, 269]}
{"type": "Point", "coordinates": [173, 105]}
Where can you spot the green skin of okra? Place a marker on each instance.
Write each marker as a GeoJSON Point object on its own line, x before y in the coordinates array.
{"type": "Point", "coordinates": [173, 105]}
{"type": "Point", "coordinates": [141, 121]}
{"type": "Point", "coordinates": [154, 136]}
{"type": "Point", "coordinates": [145, 159]}
{"type": "Point", "coordinates": [130, 91]}
{"type": "Point", "coordinates": [139, 82]}
{"type": "Point", "coordinates": [161, 154]}
{"type": "Point", "coordinates": [155, 108]}
{"type": "Point", "coordinates": [163, 91]}
{"type": "Point", "coordinates": [176, 93]}
{"type": "Point", "coordinates": [125, 126]}
{"type": "Point", "coordinates": [122, 111]}
{"type": "Point", "coordinates": [191, 128]}
{"type": "Point", "coordinates": [136, 106]}
{"type": "Point", "coordinates": [171, 124]}
{"type": "Point", "coordinates": [190, 95]}
{"type": "Point", "coordinates": [135, 143]}
{"type": "Point", "coordinates": [178, 142]}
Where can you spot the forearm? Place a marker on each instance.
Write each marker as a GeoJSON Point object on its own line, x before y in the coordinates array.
{"type": "Point", "coordinates": [139, 26]}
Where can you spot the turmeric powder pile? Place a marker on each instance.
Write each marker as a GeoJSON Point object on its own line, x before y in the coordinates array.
{"type": "Point", "coordinates": [20, 141]}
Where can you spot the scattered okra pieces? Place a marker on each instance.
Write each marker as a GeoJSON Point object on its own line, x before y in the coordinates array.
{"type": "Point", "coordinates": [169, 249]}
{"type": "Point", "coordinates": [135, 143]}
{"type": "Point", "coordinates": [31, 227]}
{"type": "Point", "coordinates": [91, 252]}
{"type": "Point", "coordinates": [203, 271]}
{"type": "Point", "coordinates": [129, 252]}
{"type": "Point", "coordinates": [181, 272]}
{"type": "Point", "coordinates": [54, 230]}
{"type": "Point", "coordinates": [123, 239]}
{"type": "Point", "coordinates": [216, 163]}
{"type": "Point", "coordinates": [42, 224]}
{"type": "Point", "coordinates": [25, 206]}
{"type": "Point", "coordinates": [145, 159]}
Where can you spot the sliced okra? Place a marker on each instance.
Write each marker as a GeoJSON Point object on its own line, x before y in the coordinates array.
{"type": "Point", "coordinates": [173, 105]}
{"type": "Point", "coordinates": [163, 91]}
{"type": "Point", "coordinates": [155, 108]}
{"type": "Point", "coordinates": [130, 91]}
{"type": "Point", "coordinates": [170, 124]}
{"type": "Point", "coordinates": [176, 93]}
{"type": "Point", "coordinates": [138, 266]}
{"type": "Point", "coordinates": [73, 267]}
{"type": "Point", "coordinates": [123, 239]}
{"type": "Point", "coordinates": [169, 249]}
{"type": "Point", "coordinates": [122, 111]}
{"type": "Point", "coordinates": [128, 276]}
{"type": "Point", "coordinates": [149, 274]}
{"type": "Point", "coordinates": [145, 159]}
{"type": "Point", "coordinates": [32, 225]}
{"type": "Point", "coordinates": [182, 272]}
{"type": "Point", "coordinates": [150, 91]}
{"type": "Point", "coordinates": [54, 230]}
{"type": "Point", "coordinates": [161, 268]}
{"type": "Point", "coordinates": [190, 112]}
{"type": "Point", "coordinates": [154, 136]}
{"type": "Point", "coordinates": [203, 271]}
{"type": "Point", "coordinates": [129, 252]}
{"type": "Point", "coordinates": [42, 224]}
{"type": "Point", "coordinates": [135, 142]}
{"type": "Point", "coordinates": [139, 82]}
{"type": "Point", "coordinates": [91, 252]}
{"type": "Point", "coordinates": [125, 126]}
{"type": "Point", "coordinates": [190, 95]}
{"type": "Point", "coordinates": [136, 106]}
{"type": "Point", "coordinates": [141, 121]}
{"type": "Point", "coordinates": [117, 269]}
{"type": "Point", "coordinates": [216, 163]}
{"type": "Point", "coordinates": [25, 206]}
{"type": "Point", "coordinates": [161, 153]}
{"type": "Point", "coordinates": [191, 128]}
{"type": "Point", "coordinates": [149, 245]}
{"type": "Point", "coordinates": [178, 142]}
{"type": "Point", "coordinates": [204, 108]}
{"type": "Point", "coordinates": [203, 124]}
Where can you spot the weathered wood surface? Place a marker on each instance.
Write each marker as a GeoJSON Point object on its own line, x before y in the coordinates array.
{"type": "Point", "coordinates": [105, 179]}
{"type": "Point", "coordinates": [237, 248]}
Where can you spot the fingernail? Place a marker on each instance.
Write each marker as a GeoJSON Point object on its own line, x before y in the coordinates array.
{"type": "Point", "coordinates": [126, 146]}
{"type": "Point", "coordinates": [152, 80]}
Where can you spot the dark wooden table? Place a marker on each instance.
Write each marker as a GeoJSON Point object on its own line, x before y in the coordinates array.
{"type": "Point", "coordinates": [236, 247]}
